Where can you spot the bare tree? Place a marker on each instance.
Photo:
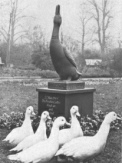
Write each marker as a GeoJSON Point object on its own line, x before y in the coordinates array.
{"type": "Point", "coordinates": [35, 37]}
{"type": "Point", "coordinates": [119, 41]}
{"type": "Point", "coordinates": [85, 28]}
{"type": "Point", "coordinates": [14, 29]}
{"type": "Point", "coordinates": [67, 41]}
{"type": "Point", "coordinates": [102, 14]}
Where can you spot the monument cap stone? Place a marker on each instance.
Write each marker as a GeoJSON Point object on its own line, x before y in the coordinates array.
{"type": "Point", "coordinates": [66, 85]}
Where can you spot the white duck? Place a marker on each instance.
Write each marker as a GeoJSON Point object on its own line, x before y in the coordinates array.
{"type": "Point", "coordinates": [20, 133]}
{"type": "Point", "coordinates": [66, 135]}
{"type": "Point", "coordinates": [39, 135]}
{"type": "Point", "coordinates": [85, 147]}
{"type": "Point", "coordinates": [44, 150]}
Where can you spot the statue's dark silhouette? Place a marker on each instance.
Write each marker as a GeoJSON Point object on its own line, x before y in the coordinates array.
{"type": "Point", "coordinates": [63, 63]}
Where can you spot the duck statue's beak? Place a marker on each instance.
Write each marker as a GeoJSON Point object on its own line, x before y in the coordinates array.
{"type": "Point", "coordinates": [57, 12]}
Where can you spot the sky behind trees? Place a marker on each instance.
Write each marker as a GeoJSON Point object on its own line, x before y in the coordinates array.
{"type": "Point", "coordinates": [43, 12]}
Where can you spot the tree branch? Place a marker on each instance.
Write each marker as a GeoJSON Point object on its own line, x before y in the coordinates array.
{"type": "Point", "coordinates": [5, 37]}
{"type": "Point", "coordinates": [18, 38]}
{"type": "Point", "coordinates": [108, 22]}
{"type": "Point", "coordinates": [17, 25]}
{"type": "Point", "coordinates": [20, 17]}
{"type": "Point", "coordinates": [19, 32]}
{"type": "Point", "coordinates": [4, 31]}
{"type": "Point", "coordinates": [21, 11]}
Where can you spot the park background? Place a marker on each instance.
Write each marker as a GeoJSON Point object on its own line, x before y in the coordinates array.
{"type": "Point", "coordinates": [92, 32]}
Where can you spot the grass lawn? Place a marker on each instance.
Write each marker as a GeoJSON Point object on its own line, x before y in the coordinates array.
{"type": "Point", "coordinates": [108, 97]}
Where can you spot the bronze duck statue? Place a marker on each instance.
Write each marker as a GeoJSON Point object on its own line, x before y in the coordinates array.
{"type": "Point", "coordinates": [63, 63]}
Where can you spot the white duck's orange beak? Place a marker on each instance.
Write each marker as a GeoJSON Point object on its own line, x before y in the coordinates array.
{"type": "Point", "coordinates": [68, 124]}
{"type": "Point", "coordinates": [49, 118]}
{"type": "Point", "coordinates": [119, 118]}
{"type": "Point", "coordinates": [78, 114]}
{"type": "Point", "coordinates": [32, 113]}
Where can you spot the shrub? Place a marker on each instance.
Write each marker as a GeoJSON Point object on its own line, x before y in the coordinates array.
{"type": "Point", "coordinates": [92, 54]}
{"type": "Point", "coordinates": [41, 59]}
{"type": "Point", "coordinates": [80, 61]}
{"type": "Point", "coordinates": [48, 74]}
{"type": "Point", "coordinates": [11, 121]}
{"type": "Point", "coordinates": [90, 125]}
{"type": "Point", "coordinates": [3, 52]}
{"type": "Point", "coordinates": [95, 72]}
{"type": "Point", "coordinates": [117, 61]}
{"type": "Point", "coordinates": [20, 55]}
{"type": "Point", "coordinates": [27, 67]}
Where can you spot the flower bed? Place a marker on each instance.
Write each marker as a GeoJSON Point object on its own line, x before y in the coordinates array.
{"type": "Point", "coordinates": [89, 125]}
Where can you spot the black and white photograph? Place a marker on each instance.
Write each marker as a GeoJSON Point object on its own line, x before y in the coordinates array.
{"type": "Point", "coordinates": [60, 81]}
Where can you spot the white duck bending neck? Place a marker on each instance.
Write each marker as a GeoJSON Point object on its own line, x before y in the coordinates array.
{"type": "Point", "coordinates": [73, 120]}
{"type": "Point", "coordinates": [54, 133]}
{"type": "Point", "coordinates": [42, 126]}
{"type": "Point", "coordinates": [75, 126]}
{"type": "Point", "coordinates": [103, 131]}
{"type": "Point", "coordinates": [27, 120]}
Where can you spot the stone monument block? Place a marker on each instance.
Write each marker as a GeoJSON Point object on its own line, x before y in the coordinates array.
{"type": "Point", "coordinates": [59, 100]}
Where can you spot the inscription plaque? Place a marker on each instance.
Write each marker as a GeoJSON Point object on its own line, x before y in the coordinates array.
{"type": "Point", "coordinates": [59, 102]}
{"type": "Point", "coordinates": [52, 102]}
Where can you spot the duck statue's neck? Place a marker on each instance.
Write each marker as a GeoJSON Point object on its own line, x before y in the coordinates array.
{"type": "Point", "coordinates": [55, 34]}
{"type": "Point", "coordinates": [57, 22]}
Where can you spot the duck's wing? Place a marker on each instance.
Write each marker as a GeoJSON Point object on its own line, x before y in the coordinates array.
{"type": "Point", "coordinates": [26, 143]}
{"type": "Point", "coordinates": [69, 148]}
{"type": "Point", "coordinates": [64, 136]}
{"type": "Point", "coordinates": [35, 153]}
{"type": "Point", "coordinates": [69, 57]}
{"type": "Point", "coordinates": [12, 135]}
{"type": "Point", "coordinates": [81, 148]}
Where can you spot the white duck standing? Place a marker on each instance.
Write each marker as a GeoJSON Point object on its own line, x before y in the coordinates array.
{"type": "Point", "coordinates": [44, 150]}
{"type": "Point", "coordinates": [39, 135]}
{"type": "Point", "coordinates": [74, 131]}
{"type": "Point", "coordinates": [20, 133]}
{"type": "Point", "coordinates": [86, 147]}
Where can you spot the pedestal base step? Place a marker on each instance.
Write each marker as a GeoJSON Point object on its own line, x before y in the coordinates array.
{"type": "Point", "coordinates": [66, 85]}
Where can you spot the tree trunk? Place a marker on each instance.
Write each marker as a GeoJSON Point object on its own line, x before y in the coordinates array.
{"type": "Point", "coordinates": [83, 37]}
{"type": "Point", "coordinates": [8, 43]}
{"type": "Point", "coordinates": [102, 18]}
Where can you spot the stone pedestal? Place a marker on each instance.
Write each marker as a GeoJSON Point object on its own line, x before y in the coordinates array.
{"type": "Point", "coordinates": [66, 85]}
{"type": "Point", "coordinates": [59, 97]}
